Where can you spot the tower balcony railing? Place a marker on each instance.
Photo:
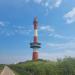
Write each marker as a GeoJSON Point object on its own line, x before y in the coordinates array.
{"type": "Point", "coordinates": [35, 45]}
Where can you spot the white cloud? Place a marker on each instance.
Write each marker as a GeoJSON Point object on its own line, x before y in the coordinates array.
{"type": "Point", "coordinates": [27, 1]}
{"type": "Point", "coordinates": [56, 55]}
{"type": "Point", "coordinates": [57, 36]}
{"type": "Point", "coordinates": [38, 1]}
{"type": "Point", "coordinates": [47, 4]}
{"type": "Point", "coordinates": [10, 30]}
{"type": "Point", "coordinates": [12, 3]}
{"type": "Point", "coordinates": [2, 24]}
{"type": "Point", "coordinates": [57, 3]}
{"type": "Point", "coordinates": [21, 30]}
{"type": "Point", "coordinates": [53, 33]}
{"type": "Point", "coordinates": [60, 50]}
{"type": "Point", "coordinates": [9, 33]}
{"type": "Point", "coordinates": [60, 36]}
{"type": "Point", "coordinates": [21, 3]}
{"type": "Point", "coordinates": [46, 28]}
{"type": "Point", "coordinates": [70, 16]}
{"type": "Point", "coordinates": [50, 4]}
{"type": "Point", "coordinates": [62, 46]}
{"type": "Point", "coordinates": [13, 59]}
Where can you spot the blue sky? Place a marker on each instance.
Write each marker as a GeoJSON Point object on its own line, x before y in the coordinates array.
{"type": "Point", "coordinates": [56, 29]}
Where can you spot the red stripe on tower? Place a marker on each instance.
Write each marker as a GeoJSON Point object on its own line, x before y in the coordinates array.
{"type": "Point", "coordinates": [35, 39]}
{"type": "Point", "coordinates": [35, 25]}
{"type": "Point", "coordinates": [35, 55]}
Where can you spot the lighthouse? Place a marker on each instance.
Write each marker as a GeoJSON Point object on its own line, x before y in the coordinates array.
{"type": "Point", "coordinates": [35, 45]}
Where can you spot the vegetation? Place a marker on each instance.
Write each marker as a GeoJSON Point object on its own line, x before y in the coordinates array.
{"type": "Point", "coordinates": [1, 67]}
{"type": "Point", "coordinates": [65, 66]}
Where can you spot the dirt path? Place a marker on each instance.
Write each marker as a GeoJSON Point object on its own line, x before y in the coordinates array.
{"type": "Point", "coordinates": [7, 71]}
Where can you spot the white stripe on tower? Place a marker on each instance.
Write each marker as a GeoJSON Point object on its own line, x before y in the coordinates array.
{"type": "Point", "coordinates": [35, 50]}
{"type": "Point", "coordinates": [36, 32]}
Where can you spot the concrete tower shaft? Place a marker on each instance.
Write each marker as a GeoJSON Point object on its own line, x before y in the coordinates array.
{"type": "Point", "coordinates": [35, 45]}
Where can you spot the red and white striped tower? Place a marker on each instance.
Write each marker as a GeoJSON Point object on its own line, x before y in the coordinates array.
{"type": "Point", "coordinates": [35, 45]}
